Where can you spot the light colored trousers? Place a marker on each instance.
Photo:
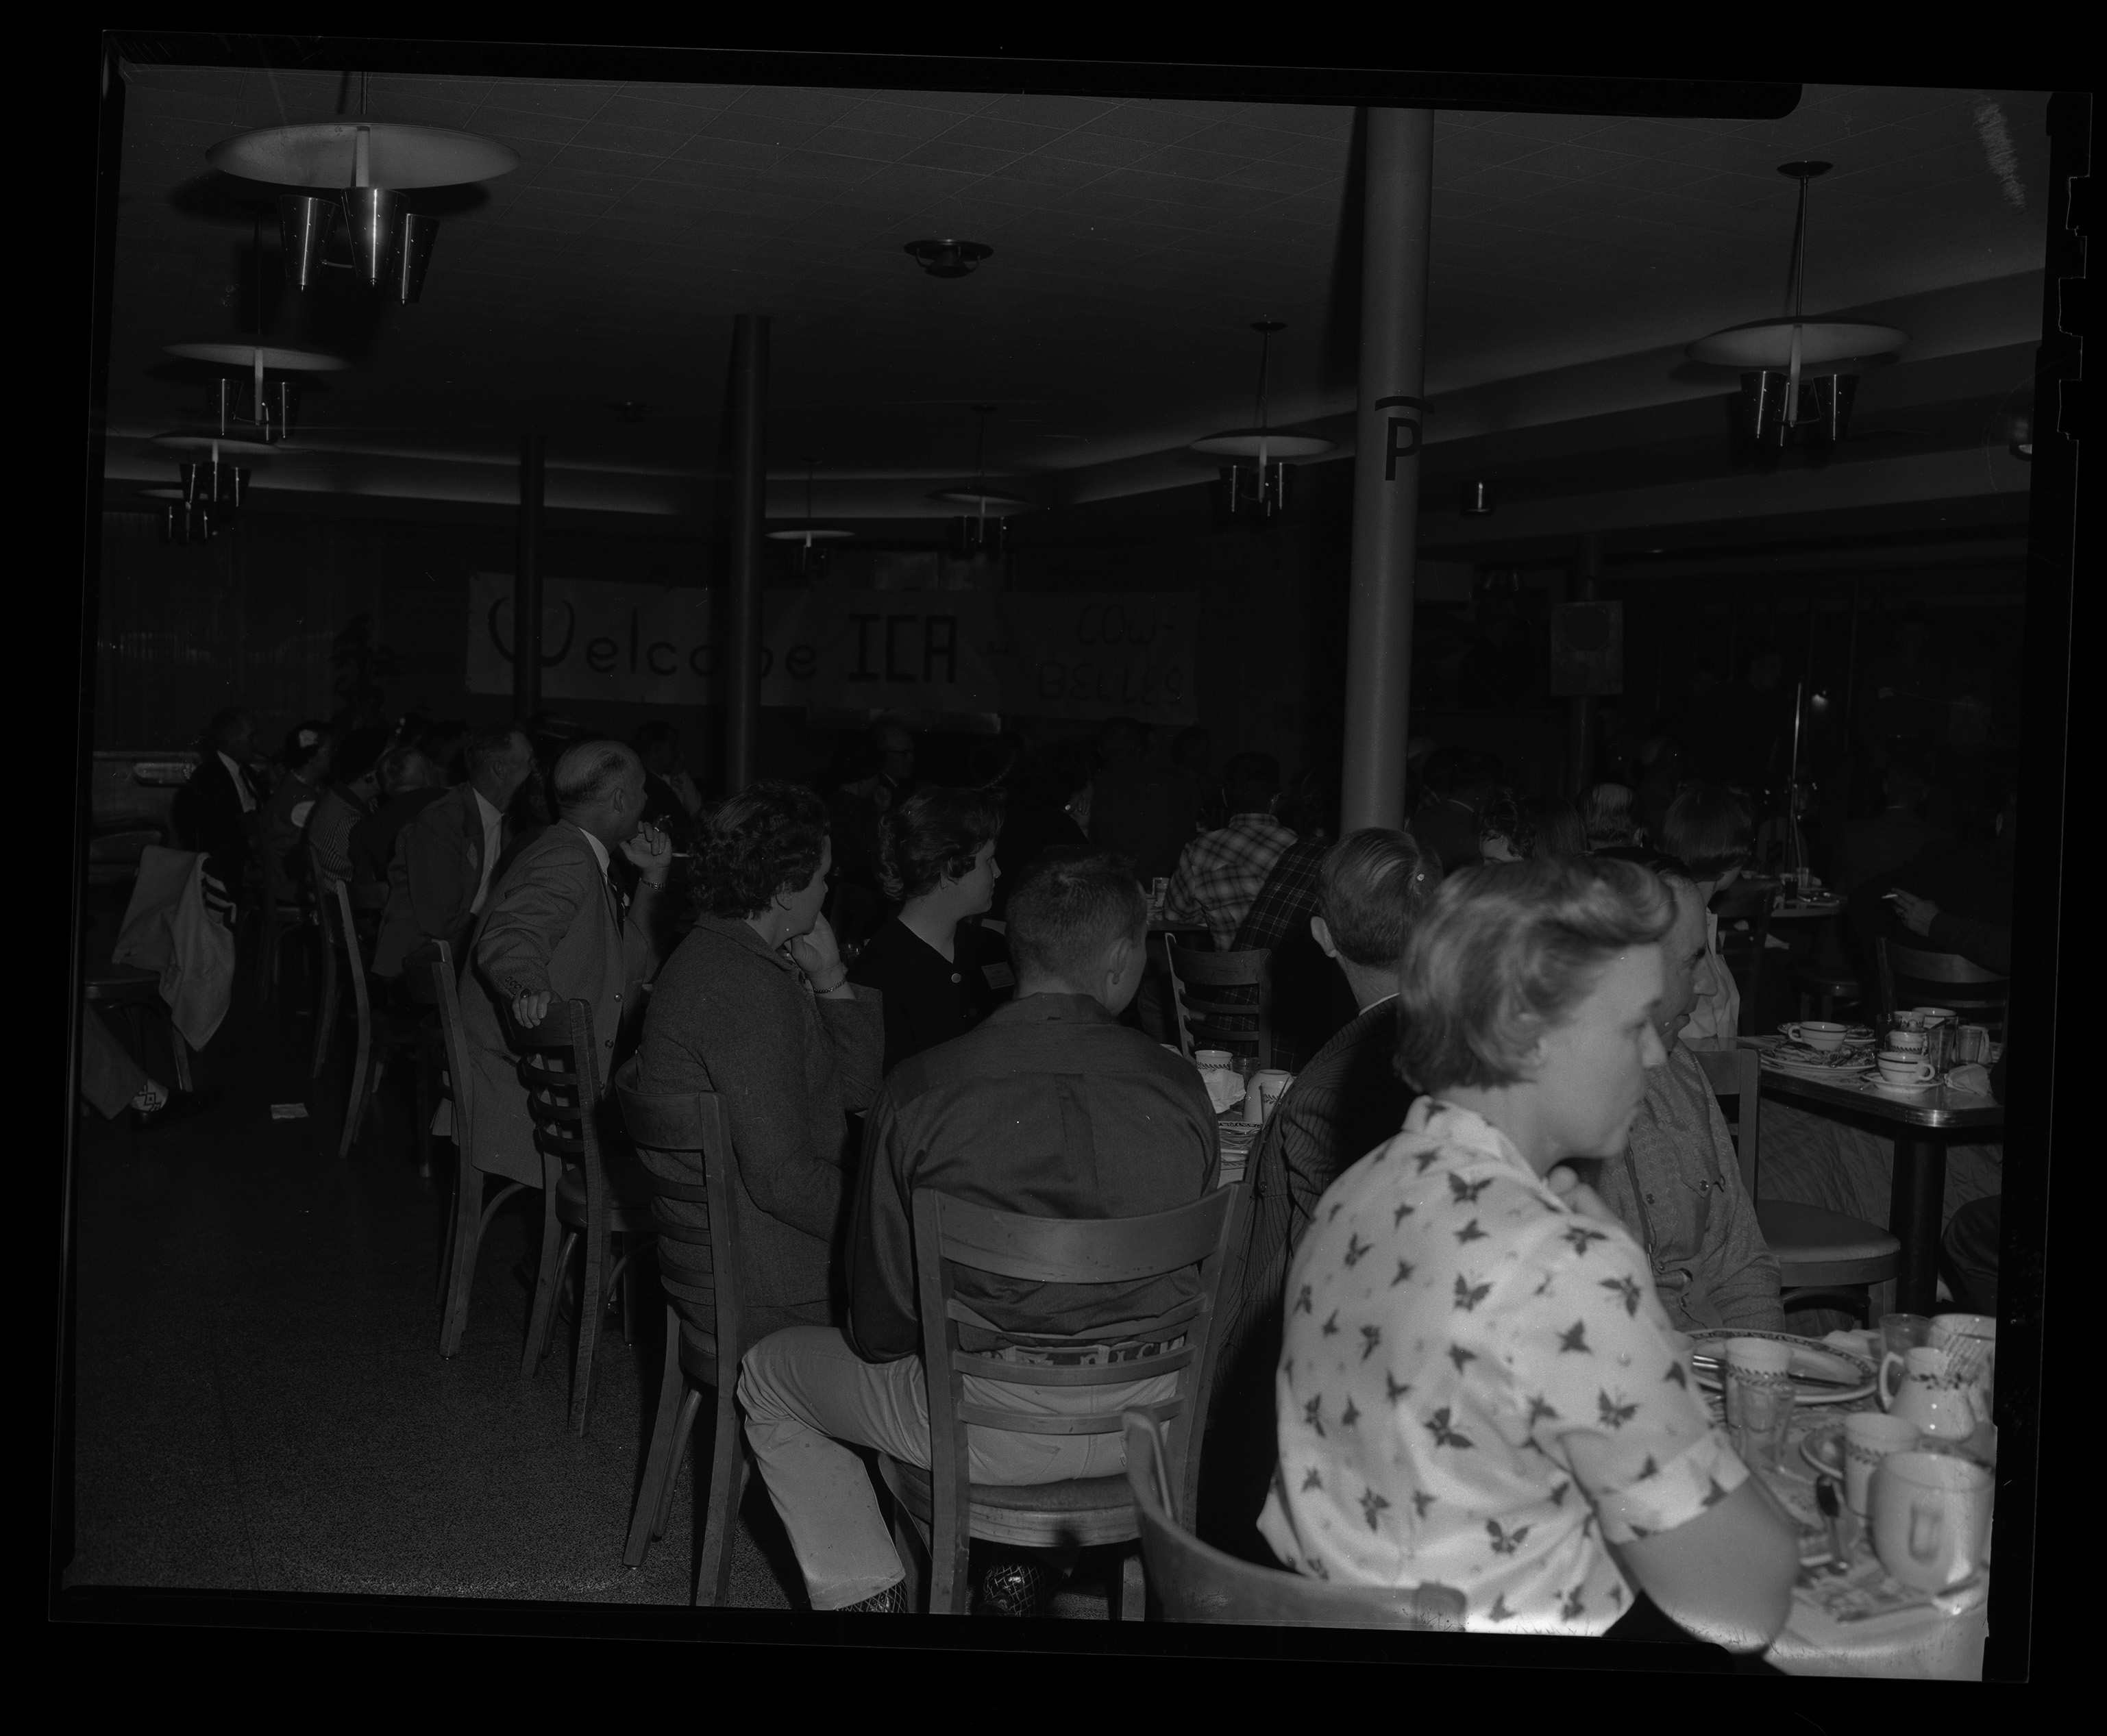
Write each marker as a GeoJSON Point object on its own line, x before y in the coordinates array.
{"type": "Point", "coordinates": [806, 1393]}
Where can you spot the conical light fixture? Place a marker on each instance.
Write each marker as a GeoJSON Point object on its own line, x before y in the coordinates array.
{"type": "Point", "coordinates": [1256, 476]}
{"type": "Point", "coordinates": [982, 531]}
{"type": "Point", "coordinates": [366, 166]}
{"type": "Point", "coordinates": [1796, 382]}
{"type": "Point", "coordinates": [808, 556]}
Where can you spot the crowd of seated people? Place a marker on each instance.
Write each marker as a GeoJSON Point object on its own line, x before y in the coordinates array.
{"type": "Point", "coordinates": [1493, 1199]}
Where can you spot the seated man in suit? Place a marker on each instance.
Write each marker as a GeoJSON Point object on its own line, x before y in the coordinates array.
{"type": "Point", "coordinates": [1344, 1103]}
{"type": "Point", "coordinates": [1677, 1187]}
{"type": "Point", "coordinates": [440, 873]}
{"type": "Point", "coordinates": [1051, 1107]}
{"type": "Point", "coordinates": [1885, 841]}
{"type": "Point", "coordinates": [556, 929]}
{"type": "Point", "coordinates": [216, 811]}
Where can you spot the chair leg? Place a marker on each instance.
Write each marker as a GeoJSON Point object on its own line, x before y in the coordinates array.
{"type": "Point", "coordinates": [592, 1309]}
{"type": "Point", "coordinates": [728, 1471]}
{"type": "Point", "coordinates": [182, 1054]}
{"type": "Point", "coordinates": [626, 1277]}
{"type": "Point", "coordinates": [949, 1580]}
{"type": "Point", "coordinates": [465, 1242]}
{"type": "Point", "coordinates": [354, 1110]}
{"type": "Point", "coordinates": [1131, 1603]}
{"type": "Point", "coordinates": [325, 1011]}
{"type": "Point", "coordinates": [684, 1429]}
{"type": "Point", "coordinates": [427, 1107]}
{"type": "Point", "coordinates": [542, 1319]}
{"type": "Point", "coordinates": [660, 1463]}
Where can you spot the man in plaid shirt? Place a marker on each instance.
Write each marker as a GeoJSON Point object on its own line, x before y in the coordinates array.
{"type": "Point", "coordinates": [1220, 873]}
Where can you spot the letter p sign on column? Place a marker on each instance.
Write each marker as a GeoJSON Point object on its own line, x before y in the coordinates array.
{"type": "Point", "coordinates": [1392, 451]}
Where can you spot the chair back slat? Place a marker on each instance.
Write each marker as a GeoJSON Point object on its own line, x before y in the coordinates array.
{"type": "Point", "coordinates": [671, 1126]}
{"type": "Point", "coordinates": [1912, 977]}
{"type": "Point", "coordinates": [1194, 973]}
{"type": "Point", "coordinates": [1736, 1075]}
{"type": "Point", "coordinates": [950, 1234]}
{"type": "Point", "coordinates": [1194, 1582]}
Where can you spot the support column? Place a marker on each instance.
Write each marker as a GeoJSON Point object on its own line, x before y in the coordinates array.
{"type": "Point", "coordinates": [1388, 435]}
{"type": "Point", "coordinates": [527, 583]}
{"type": "Point", "coordinates": [741, 663]}
{"type": "Point", "coordinates": [1581, 732]}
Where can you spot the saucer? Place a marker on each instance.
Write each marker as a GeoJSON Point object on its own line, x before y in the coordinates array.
{"type": "Point", "coordinates": [1823, 1449]}
{"type": "Point", "coordinates": [1874, 1082]}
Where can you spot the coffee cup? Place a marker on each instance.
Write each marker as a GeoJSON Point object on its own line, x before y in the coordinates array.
{"type": "Point", "coordinates": [1817, 1033]}
{"type": "Point", "coordinates": [1911, 1019]}
{"type": "Point", "coordinates": [1870, 1437]}
{"type": "Point", "coordinates": [1899, 1068]}
{"type": "Point", "coordinates": [1270, 1081]}
{"type": "Point", "coordinates": [1971, 1045]}
{"type": "Point", "coordinates": [1208, 1061]}
{"type": "Point", "coordinates": [1908, 1040]}
{"type": "Point", "coordinates": [1930, 1516]}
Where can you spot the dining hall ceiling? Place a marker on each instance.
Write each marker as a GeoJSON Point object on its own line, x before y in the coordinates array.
{"type": "Point", "coordinates": [1134, 242]}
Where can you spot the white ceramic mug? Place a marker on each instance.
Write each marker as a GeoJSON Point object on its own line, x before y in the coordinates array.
{"type": "Point", "coordinates": [1869, 1437]}
{"type": "Point", "coordinates": [1904, 1040]}
{"type": "Point", "coordinates": [1270, 1082]}
{"type": "Point", "coordinates": [1926, 1392]}
{"type": "Point", "coordinates": [1899, 1068]}
{"type": "Point", "coordinates": [1208, 1061]}
{"type": "Point", "coordinates": [1817, 1033]}
{"type": "Point", "coordinates": [1930, 1514]}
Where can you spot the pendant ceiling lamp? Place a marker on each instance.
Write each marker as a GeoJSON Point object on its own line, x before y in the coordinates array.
{"type": "Point", "coordinates": [1256, 475]}
{"type": "Point", "coordinates": [981, 530]}
{"type": "Point", "coordinates": [366, 166]}
{"type": "Point", "coordinates": [808, 555]}
{"type": "Point", "coordinates": [1796, 377]}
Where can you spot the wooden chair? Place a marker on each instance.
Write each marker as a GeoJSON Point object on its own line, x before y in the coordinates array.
{"type": "Point", "coordinates": [134, 991]}
{"type": "Point", "coordinates": [429, 973]}
{"type": "Point", "coordinates": [1822, 992]}
{"type": "Point", "coordinates": [692, 1126]}
{"type": "Point", "coordinates": [342, 904]}
{"type": "Point", "coordinates": [590, 1195]}
{"type": "Point", "coordinates": [949, 1234]}
{"type": "Point", "coordinates": [1195, 1582]}
{"type": "Point", "coordinates": [1822, 1255]}
{"type": "Point", "coordinates": [1910, 977]}
{"type": "Point", "coordinates": [1223, 1001]}
{"type": "Point", "coordinates": [1749, 904]}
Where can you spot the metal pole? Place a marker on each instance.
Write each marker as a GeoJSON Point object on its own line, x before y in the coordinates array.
{"type": "Point", "coordinates": [1850, 700]}
{"type": "Point", "coordinates": [1388, 435]}
{"type": "Point", "coordinates": [527, 583]}
{"type": "Point", "coordinates": [1581, 727]}
{"type": "Point", "coordinates": [749, 514]}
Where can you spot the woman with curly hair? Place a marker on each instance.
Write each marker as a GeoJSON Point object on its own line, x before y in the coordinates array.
{"type": "Point", "coordinates": [940, 974]}
{"type": "Point", "coordinates": [757, 1005]}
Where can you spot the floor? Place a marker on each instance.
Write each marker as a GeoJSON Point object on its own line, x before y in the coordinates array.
{"type": "Point", "coordinates": [260, 1403]}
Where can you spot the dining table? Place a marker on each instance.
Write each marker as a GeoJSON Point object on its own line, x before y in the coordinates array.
{"type": "Point", "coordinates": [1851, 1617]}
{"type": "Point", "coordinates": [1921, 1124]}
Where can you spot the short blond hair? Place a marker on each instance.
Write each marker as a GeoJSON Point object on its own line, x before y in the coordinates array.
{"type": "Point", "coordinates": [1504, 953]}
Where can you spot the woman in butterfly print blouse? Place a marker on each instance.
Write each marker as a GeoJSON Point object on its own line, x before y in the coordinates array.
{"type": "Point", "coordinates": [1478, 1387]}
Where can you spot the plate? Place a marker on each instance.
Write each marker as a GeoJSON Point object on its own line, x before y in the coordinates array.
{"type": "Point", "coordinates": [1874, 1082]}
{"type": "Point", "coordinates": [1824, 1450]}
{"type": "Point", "coordinates": [1810, 1357]}
{"type": "Point", "coordinates": [1855, 1036]}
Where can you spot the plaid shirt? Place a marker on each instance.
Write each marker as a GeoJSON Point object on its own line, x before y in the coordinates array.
{"type": "Point", "coordinates": [1220, 873]}
{"type": "Point", "coordinates": [1288, 899]}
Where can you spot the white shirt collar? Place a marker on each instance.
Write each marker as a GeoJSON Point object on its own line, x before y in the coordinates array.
{"type": "Point", "coordinates": [491, 814]}
{"type": "Point", "coordinates": [233, 770]}
{"type": "Point", "coordinates": [599, 849]}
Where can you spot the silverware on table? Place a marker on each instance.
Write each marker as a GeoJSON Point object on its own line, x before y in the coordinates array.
{"type": "Point", "coordinates": [1825, 1498]}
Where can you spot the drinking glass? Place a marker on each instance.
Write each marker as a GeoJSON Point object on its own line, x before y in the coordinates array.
{"type": "Point", "coordinates": [1760, 1399]}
